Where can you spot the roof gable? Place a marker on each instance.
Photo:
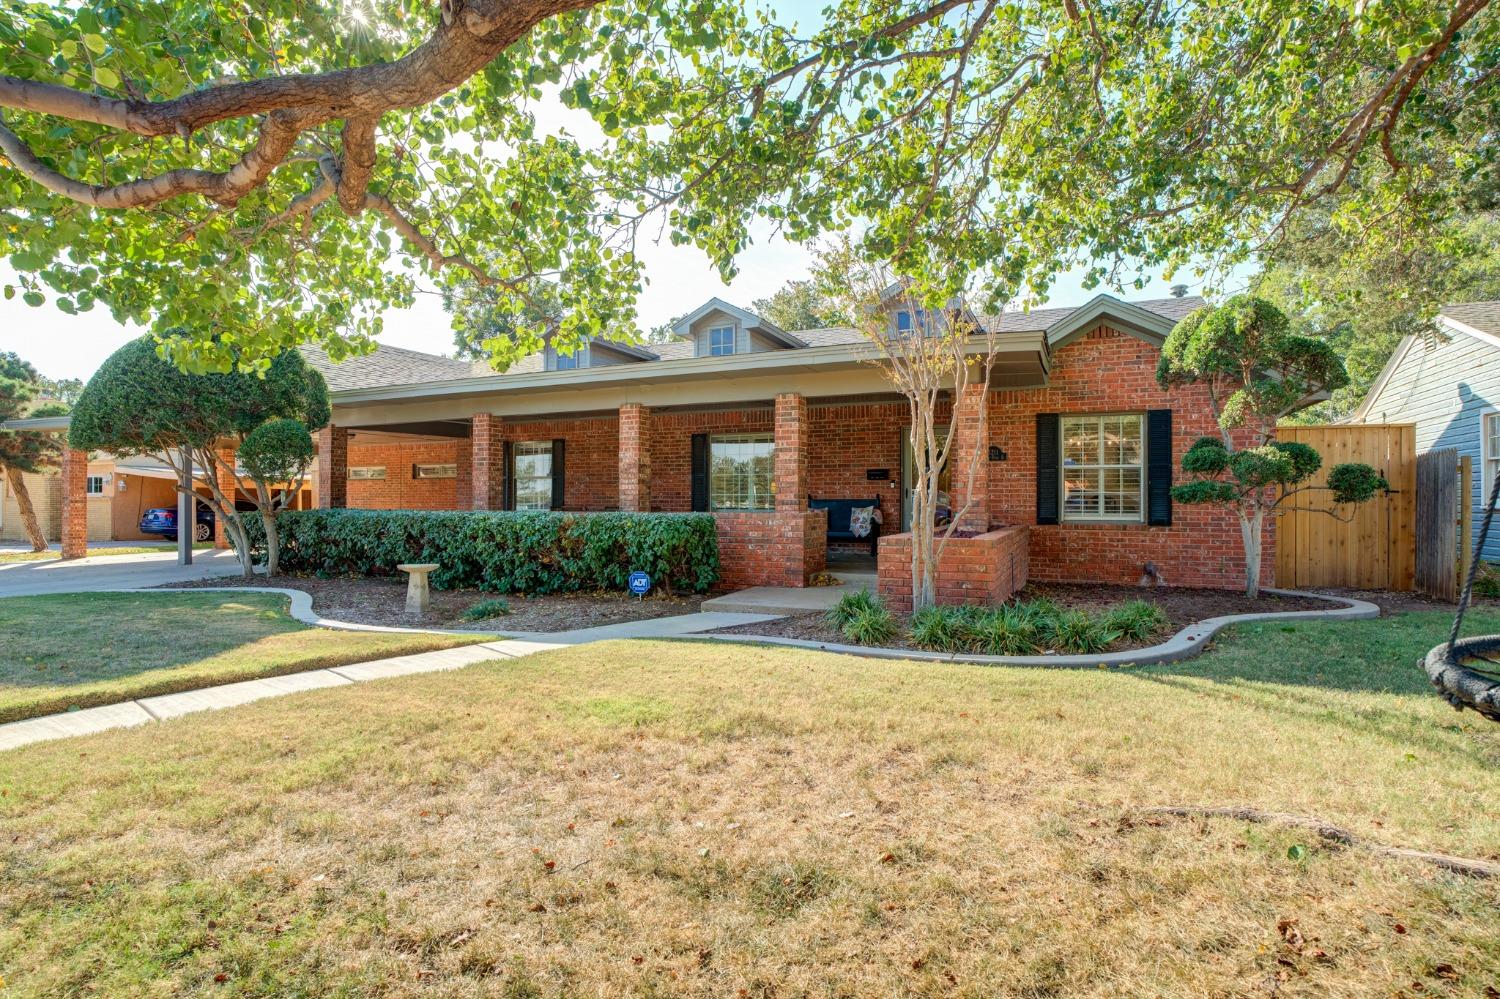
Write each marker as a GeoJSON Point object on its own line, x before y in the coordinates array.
{"type": "Point", "coordinates": [749, 320]}
{"type": "Point", "coordinates": [1137, 320]}
{"type": "Point", "coordinates": [1480, 320]}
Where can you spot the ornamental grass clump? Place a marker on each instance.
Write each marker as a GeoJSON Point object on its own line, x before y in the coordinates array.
{"type": "Point", "coordinates": [850, 606]}
{"type": "Point", "coordinates": [872, 626]}
{"type": "Point", "coordinates": [486, 609]}
{"type": "Point", "coordinates": [1080, 632]}
{"type": "Point", "coordinates": [1136, 620]}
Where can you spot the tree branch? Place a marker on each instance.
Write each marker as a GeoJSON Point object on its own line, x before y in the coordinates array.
{"type": "Point", "coordinates": [358, 163]}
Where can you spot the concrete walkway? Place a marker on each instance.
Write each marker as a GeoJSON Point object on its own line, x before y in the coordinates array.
{"type": "Point", "coordinates": [147, 709]}
{"type": "Point", "coordinates": [111, 572]}
{"type": "Point", "coordinates": [780, 601]}
{"type": "Point", "coordinates": [228, 695]}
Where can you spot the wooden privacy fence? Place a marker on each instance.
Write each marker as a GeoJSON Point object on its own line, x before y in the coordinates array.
{"type": "Point", "coordinates": [1445, 502]}
{"type": "Point", "coordinates": [1375, 549]}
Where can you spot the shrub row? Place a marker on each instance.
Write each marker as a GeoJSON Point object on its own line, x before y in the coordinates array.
{"type": "Point", "coordinates": [502, 552]}
{"type": "Point", "coordinates": [1020, 629]}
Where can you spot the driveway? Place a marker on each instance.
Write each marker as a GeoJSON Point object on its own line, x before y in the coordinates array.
{"type": "Point", "coordinates": [111, 572]}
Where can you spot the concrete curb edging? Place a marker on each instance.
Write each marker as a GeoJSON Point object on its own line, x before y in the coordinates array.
{"type": "Point", "coordinates": [1186, 644]}
{"type": "Point", "coordinates": [302, 610]}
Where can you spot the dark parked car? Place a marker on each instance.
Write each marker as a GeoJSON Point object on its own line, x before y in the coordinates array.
{"type": "Point", "coordinates": [163, 521]}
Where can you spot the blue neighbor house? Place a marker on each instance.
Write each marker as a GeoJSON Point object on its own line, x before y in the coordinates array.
{"type": "Point", "coordinates": [1449, 386]}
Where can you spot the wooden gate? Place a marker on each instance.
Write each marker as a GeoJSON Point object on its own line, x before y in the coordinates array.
{"type": "Point", "coordinates": [1376, 548]}
{"type": "Point", "coordinates": [1441, 489]}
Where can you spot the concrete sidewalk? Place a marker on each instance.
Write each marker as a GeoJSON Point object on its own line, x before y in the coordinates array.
{"type": "Point", "coordinates": [111, 572]}
{"type": "Point", "coordinates": [148, 709]}
{"type": "Point", "coordinates": [228, 695]}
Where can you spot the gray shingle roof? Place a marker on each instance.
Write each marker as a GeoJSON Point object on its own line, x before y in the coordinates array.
{"type": "Point", "coordinates": [385, 366]}
{"type": "Point", "coordinates": [391, 366]}
{"type": "Point", "coordinates": [1482, 316]}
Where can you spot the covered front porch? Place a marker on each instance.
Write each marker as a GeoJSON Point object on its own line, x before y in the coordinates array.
{"type": "Point", "coordinates": [759, 466]}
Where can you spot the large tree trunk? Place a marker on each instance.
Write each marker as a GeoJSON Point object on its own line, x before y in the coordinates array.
{"type": "Point", "coordinates": [28, 511]}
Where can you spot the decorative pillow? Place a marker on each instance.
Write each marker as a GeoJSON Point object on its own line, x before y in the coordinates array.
{"type": "Point", "coordinates": [860, 518]}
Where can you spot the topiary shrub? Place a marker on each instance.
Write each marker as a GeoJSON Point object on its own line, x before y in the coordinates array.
{"type": "Point", "coordinates": [504, 552]}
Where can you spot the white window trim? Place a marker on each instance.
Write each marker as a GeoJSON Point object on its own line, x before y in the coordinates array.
{"type": "Point", "coordinates": [579, 359]}
{"type": "Point", "coordinates": [1062, 475]}
{"type": "Point", "coordinates": [1486, 475]}
{"type": "Point", "coordinates": [89, 481]}
{"type": "Point", "coordinates": [748, 438]}
{"type": "Point", "coordinates": [515, 479]}
{"type": "Point", "coordinates": [708, 342]}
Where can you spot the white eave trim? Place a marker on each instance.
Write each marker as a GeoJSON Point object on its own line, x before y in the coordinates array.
{"type": "Point", "coordinates": [1465, 328]}
{"type": "Point", "coordinates": [1127, 317]}
{"type": "Point", "coordinates": [1381, 380]}
{"type": "Point", "coordinates": [686, 368]}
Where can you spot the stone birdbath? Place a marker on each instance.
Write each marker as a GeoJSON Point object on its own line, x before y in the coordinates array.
{"type": "Point", "coordinates": [418, 593]}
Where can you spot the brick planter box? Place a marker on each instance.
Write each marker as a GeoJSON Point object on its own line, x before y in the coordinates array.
{"type": "Point", "coordinates": [987, 569]}
{"type": "Point", "coordinates": [771, 548]}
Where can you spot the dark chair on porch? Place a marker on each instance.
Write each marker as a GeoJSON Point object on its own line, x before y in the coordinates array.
{"type": "Point", "coordinates": [839, 511]}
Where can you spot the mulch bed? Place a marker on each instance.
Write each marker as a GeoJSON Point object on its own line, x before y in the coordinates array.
{"type": "Point", "coordinates": [382, 600]}
{"type": "Point", "coordinates": [1182, 607]}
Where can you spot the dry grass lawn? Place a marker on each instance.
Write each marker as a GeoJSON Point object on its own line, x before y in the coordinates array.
{"type": "Point", "coordinates": [680, 818]}
{"type": "Point", "coordinates": [79, 650]}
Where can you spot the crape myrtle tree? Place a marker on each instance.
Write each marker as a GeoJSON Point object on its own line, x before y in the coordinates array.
{"type": "Point", "coordinates": [140, 403]}
{"type": "Point", "coordinates": [943, 353]}
{"type": "Point", "coordinates": [23, 451]}
{"type": "Point", "coordinates": [262, 175]}
{"type": "Point", "coordinates": [276, 453]}
{"type": "Point", "coordinates": [1256, 371]}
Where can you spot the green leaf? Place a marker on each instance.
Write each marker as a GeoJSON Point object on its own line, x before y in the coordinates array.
{"type": "Point", "coordinates": [1296, 852]}
{"type": "Point", "coordinates": [106, 77]}
{"type": "Point", "coordinates": [34, 299]}
{"type": "Point", "coordinates": [95, 44]}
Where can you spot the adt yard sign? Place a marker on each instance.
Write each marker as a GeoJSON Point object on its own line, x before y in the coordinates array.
{"type": "Point", "coordinates": [640, 584]}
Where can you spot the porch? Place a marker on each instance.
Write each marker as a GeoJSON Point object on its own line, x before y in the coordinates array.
{"type": "Point", "coordinates": [754, 465]}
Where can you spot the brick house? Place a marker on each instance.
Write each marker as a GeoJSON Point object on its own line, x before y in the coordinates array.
{"type": "Point", "coordinates": [755, 424]}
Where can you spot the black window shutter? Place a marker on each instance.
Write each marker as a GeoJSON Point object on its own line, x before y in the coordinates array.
{"type": "Point", "coordinates": [700, 472]}
{"type": "Point", "coordinates": [559, 470]}
{"type": "Point", "coordinates": [507, 477]}
{"type": "Point", "coordinates": [1159, 467]}
{"type": "Point", "coordinates": [1048, 468]}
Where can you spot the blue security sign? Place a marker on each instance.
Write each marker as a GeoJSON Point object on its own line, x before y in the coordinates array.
{"type": "Point", "coordinates": [640, 584]}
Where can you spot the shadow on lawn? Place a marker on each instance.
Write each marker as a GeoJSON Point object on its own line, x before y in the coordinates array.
{"type": "Point", "coordinates": [1327, 669]}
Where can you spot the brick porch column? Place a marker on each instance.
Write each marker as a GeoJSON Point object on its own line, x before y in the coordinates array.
{"type": "Point", "coordinates": [75, 503]}
{"type": "Point", "coordinates": [971, 470]}
{"type": "Point", "coordinates": [228, 486]}
{"type": "Point", "coordinates": [791, 452]}
{"type": "Point", "coordinates": [635, 458]}
{"type": "Point", "coordinates": [463, 480]}
{"type": "Point", "coordinates": [487, 463]}
{"type": "Point", "coordinates": [331, 488]}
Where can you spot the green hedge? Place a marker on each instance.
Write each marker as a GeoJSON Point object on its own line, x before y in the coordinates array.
{"type": "Point", "coordinates": [502, 552]}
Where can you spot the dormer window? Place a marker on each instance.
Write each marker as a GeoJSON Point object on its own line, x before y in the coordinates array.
{"type": "Point", "coordinates": [720, 341]}
{"type": "Point", "coordinates": [578, 359]}
{"type": "Point", "coordinates": [903, 321]}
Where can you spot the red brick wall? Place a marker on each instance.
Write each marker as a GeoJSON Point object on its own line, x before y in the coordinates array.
{"type": "Point", "coordinates": [399, 490]}
{"type": "Point", "coordinates": [75, 504]}
{"type": "Point", "coordinates": [985, 570]}
{"type": "Point", "coordinates": [591, 468]}
{"type": "Point", "coordinates": [766, 548]}
{"type": "Point", "coordinates": [1103, 372]}
{"type": "Point", "coordinates": [847, 439]}
{"type": "Point", "coordinates": [671, 437]}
